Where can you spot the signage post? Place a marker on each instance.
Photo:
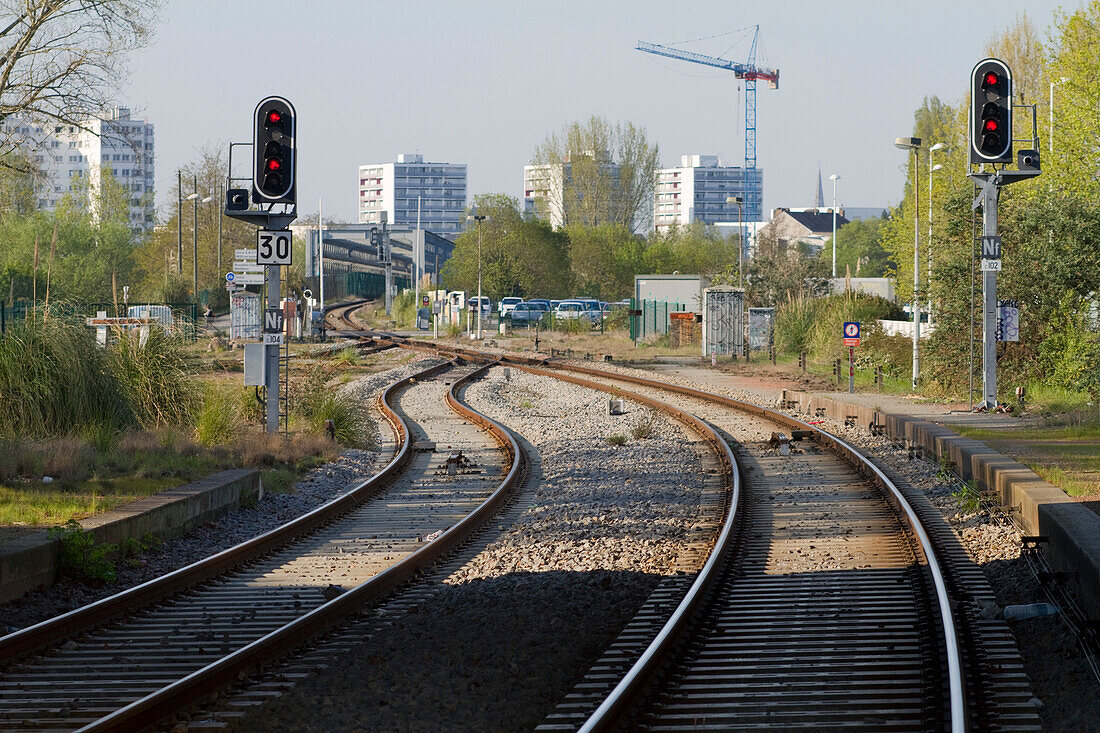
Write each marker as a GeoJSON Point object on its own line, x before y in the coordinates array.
{"type": "Point", "coordinates": [851, 340]}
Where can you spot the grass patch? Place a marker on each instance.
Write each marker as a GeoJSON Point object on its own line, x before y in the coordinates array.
{"type": "Point", "coordinates": [645, 426]}
{"type": "Point", "coordinates": [617, 440]}
{"type": "Point", "coordinates": [138, 464]}
{"type": "Point", "coordinates": [1067, 456]}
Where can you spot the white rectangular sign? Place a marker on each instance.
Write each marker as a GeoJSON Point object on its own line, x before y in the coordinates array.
{"type": "Point", "coordinates": [245, 255]}
{"type": "Point", "coordinates": [273, 247]}
{"type": "Point", "coordinates": [248, 278]}
{"type": "Point", "coordinates": [991, 265]}
{"type": "Point", "coordinates": [273, 339]}
{"type": "Point", "coordinates": [247, 267]}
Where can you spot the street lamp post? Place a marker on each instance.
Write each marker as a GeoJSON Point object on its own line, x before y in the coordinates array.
{"type": "Point", "coordinates": [194, 199]}
{"type": "Point", "coordinates": [834, 178]}
{"type": "Point", "coordinates": [1051, 110]}
{"type": "Point", "coordinates": [739, 200]}
{"type": "Point", "coordinates": [913, 143]}
{"type": "Point", "coordinates": [478, 218]}
{"type": "Point", "coordinates": [931, 169]}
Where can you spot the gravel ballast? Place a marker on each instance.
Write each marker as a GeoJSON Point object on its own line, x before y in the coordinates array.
{"type": "Point", "coordinates": [510, 632]}
{"type": "Point", "coordinates": [1067, 691]}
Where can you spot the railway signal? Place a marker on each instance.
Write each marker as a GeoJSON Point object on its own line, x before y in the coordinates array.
{"type": "Point", "coordinates": [991, 112]}
{"type": "Point", "coordinates": [274, 151]}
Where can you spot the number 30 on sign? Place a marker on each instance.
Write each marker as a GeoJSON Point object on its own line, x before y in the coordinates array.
{"type": "Point", "coordinates": [273, 247]}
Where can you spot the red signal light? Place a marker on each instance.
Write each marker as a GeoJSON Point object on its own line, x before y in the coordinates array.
{"type": "Point", "coordinates": [991, 125]}
{"type": "Point", "coordinates": [274, 118]}
{"type": "Point", "coordinates": [273, 164]}
{"type": "Point", "coordinates": [991, 79]}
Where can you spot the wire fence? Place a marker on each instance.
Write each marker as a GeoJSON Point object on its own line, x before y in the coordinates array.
{"type": "Point", "coordinates": [183, 318]}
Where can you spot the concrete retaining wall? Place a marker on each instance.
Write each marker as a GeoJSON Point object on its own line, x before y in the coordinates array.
{"type": "Point", "coordinates": [31, 562]}
{"type": "Point", "coordinates": [1042, 509]}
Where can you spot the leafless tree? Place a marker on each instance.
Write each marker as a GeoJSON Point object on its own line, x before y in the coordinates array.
{"type": "Point", "coordinates": [61, 60]}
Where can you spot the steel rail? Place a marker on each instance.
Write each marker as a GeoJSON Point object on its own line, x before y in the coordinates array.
{"type": "Point", "coordinates": [956, 682]}
{"type": "Point", "coordinates": [52, 630]}
{"type": "Point", "coordinates": [229, 669]}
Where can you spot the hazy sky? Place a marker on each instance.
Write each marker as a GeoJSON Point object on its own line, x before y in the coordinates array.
{"type": "Point", "coordinates": [482, 83]}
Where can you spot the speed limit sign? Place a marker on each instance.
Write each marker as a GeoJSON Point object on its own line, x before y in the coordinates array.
{"type": "Point", "coordinates": [273, 247]}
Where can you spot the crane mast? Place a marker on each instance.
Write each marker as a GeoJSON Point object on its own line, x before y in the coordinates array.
{"type": "Point", "coordinates": [747, 71]}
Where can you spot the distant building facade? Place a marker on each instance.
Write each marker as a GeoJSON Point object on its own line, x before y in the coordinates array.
{"type": "Point", "coordinates": [697, 191]}
{"type": "Point", "coordinates": [348, 248]}
{"type": "Point", "coordinates": [439, 189]}
{"type": "Point", "coordinates": [70, 157]}
{"type": "Point", "coordinates": [812, 227]}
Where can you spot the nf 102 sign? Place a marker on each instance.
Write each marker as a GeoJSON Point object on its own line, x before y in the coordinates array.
{"type": "Point", "coordinates": [273, 247]}
{"type": "Point", "coordinates": [851, 333]}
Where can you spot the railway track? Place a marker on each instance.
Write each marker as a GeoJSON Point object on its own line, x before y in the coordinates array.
{"type": "Point", "coordinates": [133, 659]}
{"type": "Point", "coordinates": [834, 599]}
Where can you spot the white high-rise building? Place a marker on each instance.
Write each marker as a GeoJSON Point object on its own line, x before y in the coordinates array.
{"type": "Point", "coordinates": [398, 188]}
{"type": "Point", "coordinates": [698, 189]}
{"type": "Point", "coordinates": [66, 154]}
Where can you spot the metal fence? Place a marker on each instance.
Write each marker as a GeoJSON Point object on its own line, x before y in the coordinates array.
{"type": "Point", "coordinates": [650, 317]}
{"type": "Point", "coordinates": [184, 315]}
{"type": "Point", "coordinates": [371, 285]}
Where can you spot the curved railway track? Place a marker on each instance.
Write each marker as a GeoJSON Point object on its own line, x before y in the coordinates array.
{"type": "Point", "coordinates": [824, 604]}
{"type": "Point", "coordinates": [133, 659]}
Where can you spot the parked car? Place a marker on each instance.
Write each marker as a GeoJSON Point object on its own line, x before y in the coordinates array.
{"type": "Point", "coordinates": [486, 305]}
{"type": "Point", "coordinates": [571, 310]}
{"type": "Point", "coordinates": [592, 306]}
{"type": "Point", "coordinates": [543, 301]}
{"type": "Point", "coordinates": [554, 304]}
{"type": "Point", "coordinates": [507, 304]}
{"type": "Point", "coordinates": [527, 313]}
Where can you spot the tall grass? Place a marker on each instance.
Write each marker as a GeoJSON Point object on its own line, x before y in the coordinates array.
{"type": "Point", "coordinates": [155, 377]}
{"type": "Point", "coordinates": [814, 324]}
{"type": "Point", "coordinates": [55, 380]}
{"type": "Point", "coordinates": [219, 421]}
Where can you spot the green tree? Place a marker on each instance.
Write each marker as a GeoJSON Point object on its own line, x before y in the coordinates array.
{"type": "Point", "coordinates": [604, 259]}
{"type": "Point", "coordinates": [598, 173]}
{"type": "Point", "coordinates": [859, 249]}
{"type": "Point", "coordinates": [156, 260]}
{"type": "Point", "coordinates": [776, 275]}
{"type": "Point", "coordinates": [518, 257]}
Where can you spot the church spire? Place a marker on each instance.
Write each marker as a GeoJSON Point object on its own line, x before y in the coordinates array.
{"type": "Point", "coordinates": [819, 202]}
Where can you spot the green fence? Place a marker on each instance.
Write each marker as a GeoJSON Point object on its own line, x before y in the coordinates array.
{"type": "Point", "coordinates": [650, 317]}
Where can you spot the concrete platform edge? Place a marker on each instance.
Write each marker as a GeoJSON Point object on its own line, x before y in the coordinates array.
{"type": "Point", "coordinates": [31, 562]}
{"type": "Point", "coordinates": [1041, 508]}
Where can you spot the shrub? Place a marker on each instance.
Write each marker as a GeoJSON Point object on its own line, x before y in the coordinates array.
{"type": "Point", "coordinates": [354, 427]}
{"type": "Point", "coordinates": [617, 440]}
{"type": "Point", "coordinates": [645, 426]}
{"type": "Point", "coordinates": [219, 421]}
{"type": "Point", "coordinates": [80, 556]}
{"type": "Point", "coordinates": [155, 376]}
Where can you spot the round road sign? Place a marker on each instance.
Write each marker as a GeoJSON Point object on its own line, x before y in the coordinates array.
{"type": "Point", "coordinates": [851, 330]}
{"type": "Point", "coordinates": [230, 277]}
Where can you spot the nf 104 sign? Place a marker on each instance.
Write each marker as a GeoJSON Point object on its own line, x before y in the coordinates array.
{"type": "Point", "coordinates": [273, 247]}
{"type": "Point", "coordinates": [851, 333]}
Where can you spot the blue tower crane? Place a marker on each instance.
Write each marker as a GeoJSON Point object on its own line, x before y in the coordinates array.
{"type": "Point", "coordinates": [748, 71]}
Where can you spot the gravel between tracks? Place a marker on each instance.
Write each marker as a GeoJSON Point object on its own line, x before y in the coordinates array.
{"type": "Point", "coordinates": [1059, 674]}
{"type": "Point", "coordinates": [505, 637]}
{"type": "Point", "coordinates": [320, 485]}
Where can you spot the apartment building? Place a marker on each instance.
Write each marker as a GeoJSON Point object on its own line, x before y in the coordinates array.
{"type": "Point", "coordinates": [66, 155]}
{"type": "Point", "coordinates": [409, 185]}
{"type": "Point", "coordinates": [697, 191]}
